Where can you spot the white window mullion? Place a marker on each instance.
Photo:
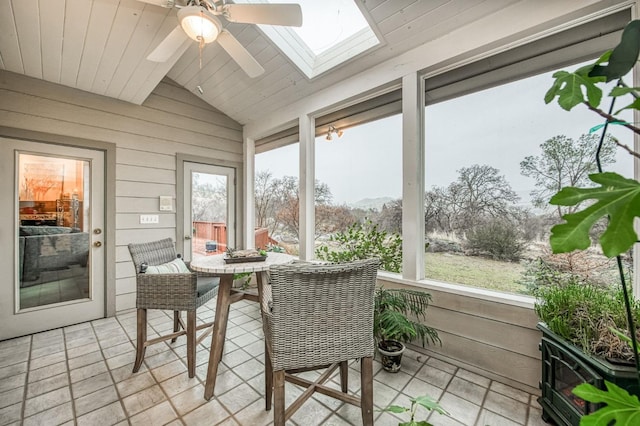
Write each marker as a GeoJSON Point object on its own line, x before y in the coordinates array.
{"type": "Point", "coordinates": [307, 187]}
{"type": "Point", "coordinates": [249, 174]}
{"type": "Point", "coordinates": [412, 177]}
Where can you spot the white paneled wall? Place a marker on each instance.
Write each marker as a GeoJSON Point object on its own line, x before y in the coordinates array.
{"type": "Point", "coordinates": [147, 139]}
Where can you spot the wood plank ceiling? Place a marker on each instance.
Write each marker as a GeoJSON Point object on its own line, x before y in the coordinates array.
{"type": "Point", "coordinates": [100, 46]}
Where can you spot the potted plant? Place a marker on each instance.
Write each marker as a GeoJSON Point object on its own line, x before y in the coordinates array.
{"type": "Point", "coordinates": [420, 401]}
{"type": "Point", "coordinates": [615, 198]}
{"type": "Point", "coordinates": [393, 324]}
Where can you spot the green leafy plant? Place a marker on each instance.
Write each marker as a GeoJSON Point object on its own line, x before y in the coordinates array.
{"type": "Point", "coordinates": [391, 319]}
{"type": "Point", "coordinates": [420, 401]}
{"type": "Point", "coordinates": [363, 241]}
{"type": "Point", "coordinates": [621, 408]}
{"type": "Point", "coordinates": [617, 198]}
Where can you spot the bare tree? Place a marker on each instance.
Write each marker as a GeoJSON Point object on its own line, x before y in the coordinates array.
{"type": "Point", "coordinates": [565, 162]}
{"type": "Point", "coordinates": [479, 193]}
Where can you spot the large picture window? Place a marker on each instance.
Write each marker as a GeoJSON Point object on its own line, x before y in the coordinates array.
{"type": "Point", "coordinates": [493, 159]}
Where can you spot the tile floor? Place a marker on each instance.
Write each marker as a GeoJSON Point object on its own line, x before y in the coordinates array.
{"type": "Point", "coordinates": [82, 375]}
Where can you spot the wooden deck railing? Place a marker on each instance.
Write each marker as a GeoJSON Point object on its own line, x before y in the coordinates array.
{"type": "Point", "coordinates": [211, 237]}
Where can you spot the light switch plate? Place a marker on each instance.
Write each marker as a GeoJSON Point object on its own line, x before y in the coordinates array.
{"type": "Point", "coordinates": [149, 218]}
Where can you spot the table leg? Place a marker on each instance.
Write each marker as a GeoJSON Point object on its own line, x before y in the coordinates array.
{"type": "Point", "coordinates": [219, 333]}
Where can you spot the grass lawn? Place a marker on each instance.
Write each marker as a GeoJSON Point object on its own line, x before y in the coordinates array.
{"type": "Point", "coordinates": [474, 271]}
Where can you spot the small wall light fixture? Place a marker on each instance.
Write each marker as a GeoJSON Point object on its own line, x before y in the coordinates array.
{"type": "Point", "coordinates": [331, 130]}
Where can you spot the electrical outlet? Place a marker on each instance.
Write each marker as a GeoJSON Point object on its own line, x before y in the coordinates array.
{"type": "Point", "coordinates": [149, 218]}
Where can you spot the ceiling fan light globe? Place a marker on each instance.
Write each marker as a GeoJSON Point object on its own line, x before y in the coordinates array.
{"type": "Point", "coordinates": [198, 23]}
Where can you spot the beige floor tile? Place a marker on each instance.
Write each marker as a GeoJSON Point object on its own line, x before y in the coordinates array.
{"type": "Point", "coordinates": [467, 390]}
{"type": "Point", "coordinates": [255, 414]}
{"type": "Point", "coordinates": [312, 413]}
{"type": "Point", "coordinates": [239, 398]}
{"type": "Point", "coordinates": [91, 385]}
{"type": "Point", "coordinates": [86, 359]}
{"type": "Point", "coordinates": [95, 400]}
{"type": "Point", "coordinates": [418, 387]}
{"type": "Point", "coordinates": [490, 418]}
{"type": "Point", "coordinates": [135, 384]}
{"type": "Point", "coordinates": [434, 376]}
{"type": "Point", "coordinates": [46, 401]}
{"type": "Point", "coordinates": [47, 360]}
{"type": "Point", "coordinates": [10, 414]}
{"type": "Point", "coordinates": [169, 370]}
{"type": "Point", "coordinates": [506, 407]}
{"type": "Point", "coordinates": [211, 413]}
{"type": "Point", "coordinates": [459, 409]}
{"type": "Point", "coordinates": [143, 400]}
{"type": "Point", "coordinates": [82, 350]}
{"type": "Point", "coordinates": [47, 385]}
{"type": "Point", "coordinates": [13, 370]}
{"type": "Point", "coordinates": [46, 372]}
{"type": "Point", "coordinates": [510, 391]}
{"type": "Point", "coordinates": [11, 397]}
{"type": "Point", "coordinates": [83, 373]}
{"type": "Point", "coordinates": [159, 414]}
{"type": "Point", "coordinates": [12, 382]}
{"type": "Point", "coordinates": [178, 384]}
{"type": "Point", "coordinates": [397, 381]}
{"type": "Point", "coordinates": [189, 400]}
{"type": "Point", "coordinates": [107, 415]}
{"type": "Point", "coordinates": [118, 349]}
{"type": "Point", "coordinates": [54, 416]}
{"type": "Point", "coordinates": [249, 369]}
{"type": "Point", "coordinates": [473, 377]}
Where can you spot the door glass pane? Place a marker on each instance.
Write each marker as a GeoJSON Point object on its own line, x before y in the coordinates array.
{"type": "Point", "coordinates": [53, 223]}
{"type": "Point", "coordinates": [209, 213]}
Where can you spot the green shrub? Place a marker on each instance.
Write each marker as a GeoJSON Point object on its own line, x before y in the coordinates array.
{"type": "Point", "coordinates": [498, 239]}
{"type": "Point", "coordinates": [363, 241]}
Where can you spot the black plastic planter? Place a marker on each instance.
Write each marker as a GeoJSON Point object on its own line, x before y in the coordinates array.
{"type": "Point", "coordinates": [564, 366]}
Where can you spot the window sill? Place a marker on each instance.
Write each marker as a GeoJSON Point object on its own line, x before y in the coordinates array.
{"type": "Point", "coordinates": [462, 290]}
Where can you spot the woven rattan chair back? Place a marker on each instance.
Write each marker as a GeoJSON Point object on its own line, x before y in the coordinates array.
{"type": "Point", "coordinates": [175, 292]}
{"type": "Point", "coordinates": [152, 253]}
{"type": "Point", "coordinates": [319, 315]}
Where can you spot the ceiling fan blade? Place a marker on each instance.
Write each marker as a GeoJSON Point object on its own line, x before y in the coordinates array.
{"type": "Point", "coordinates": [239, 54]}
{"type": "Point", "coordinates": [168, 46]}
{"type": "Point", "coordinates": [161, 3]}
{"type": "Point", "coordinates": [271, 14]}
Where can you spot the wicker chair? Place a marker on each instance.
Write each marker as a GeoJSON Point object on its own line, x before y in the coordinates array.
{"type": "Point", "coordinates": [173, 291]}
{"type": "Point", "coordinates": [318, 316]}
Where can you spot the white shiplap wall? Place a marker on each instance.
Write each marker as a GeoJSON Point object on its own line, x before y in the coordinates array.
{"type": "Point", "coordinates": [147, 139]}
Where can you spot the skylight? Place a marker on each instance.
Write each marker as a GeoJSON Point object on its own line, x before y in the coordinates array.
{"type": "Point", "coordinates": [333, 32]}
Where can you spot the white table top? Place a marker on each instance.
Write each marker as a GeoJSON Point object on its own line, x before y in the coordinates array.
{"type": "Point", "coordinates": [215, 264]}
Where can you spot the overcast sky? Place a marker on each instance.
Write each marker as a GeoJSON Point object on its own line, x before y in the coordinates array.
{"type": "Point", "coordinates": [480, 128]}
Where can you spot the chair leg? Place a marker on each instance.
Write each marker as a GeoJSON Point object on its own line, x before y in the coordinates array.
{"type": "Point", "coordinates": [278, 398]}
{"type": "Point", "coordinates": [176, 324]}
{"type": "Point", "coordinates": [191, 343]}
{"type": "Point", "coordinates": [141, 331]}
{"type": "Point", "coordinates": [268, 379]}
{"type": "Point", "coordinates": [344, 376]}
{"type": "Point", "coordinates": [366, 385]}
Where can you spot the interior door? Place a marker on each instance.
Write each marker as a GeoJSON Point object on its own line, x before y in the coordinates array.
{"type": "Point", "coordinates": [209, 209]}
{"type": "Point", "coordinates": [53, 220]}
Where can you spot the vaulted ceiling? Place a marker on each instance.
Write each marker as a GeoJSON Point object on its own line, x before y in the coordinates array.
{"type": "Point", "coordinates": [101, 46]}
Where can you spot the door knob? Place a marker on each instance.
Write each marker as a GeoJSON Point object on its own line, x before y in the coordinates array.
{"type": "Point", "coordinates": [97, 244]}
{"type": "Point", "coordinates": [97, 231]}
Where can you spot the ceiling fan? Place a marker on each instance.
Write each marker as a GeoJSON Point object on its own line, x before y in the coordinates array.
{"type": "Point", "coordinates": [198, 20]}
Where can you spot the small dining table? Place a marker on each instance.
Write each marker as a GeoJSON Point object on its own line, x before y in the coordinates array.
{"type": "Point", "coordinates": [227, 295]}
